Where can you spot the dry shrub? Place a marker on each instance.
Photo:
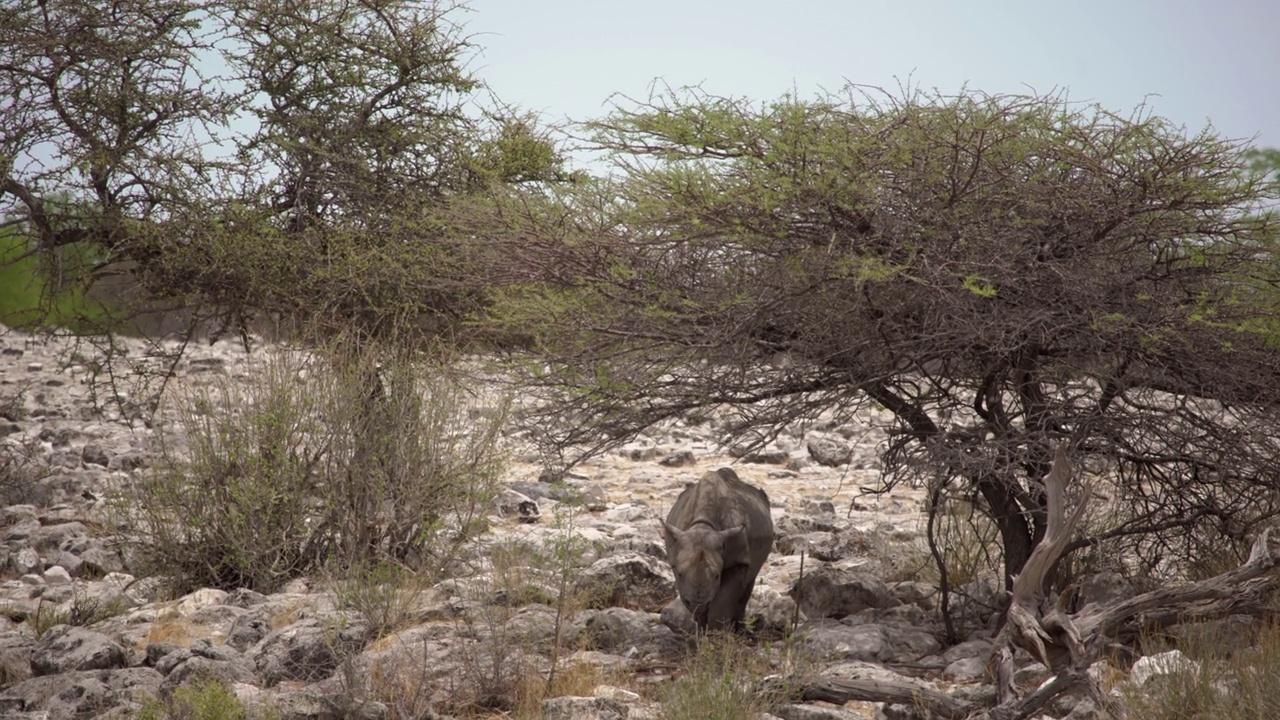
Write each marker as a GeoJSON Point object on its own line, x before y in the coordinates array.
{"type": "Point", "coordinates": [503, 661]}
{"type": "Point", "coordinates": [386, 595]}
{"type": "Point", "coordinates": [1243, 686]}
{"type": "Point", "coordinates": [573, 679]}
{"type": "Point", "coordinates": [969, 543]}
{"type": "Point", "coordinates": [19, 466]}
{"type": "Point", "coordinates": [493, 671]}
{"type": "Point", "coordinates": [83, 610]}
{"type": "Point", "coordinates": [407, 688]}
{"type": "Point", "coordinates": [175, 629]}
{"type": "Point", "coordinates": [503, 665]}
{"type": "Point", "coordinates": [724, 679]}
{"type": "Point", "coordinates": [318, 460]}
{"type": "Point", "coordinates": [477, 678]}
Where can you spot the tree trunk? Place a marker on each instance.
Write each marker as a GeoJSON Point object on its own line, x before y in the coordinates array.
{"type": "Point", "coordinates": [1016, 535]}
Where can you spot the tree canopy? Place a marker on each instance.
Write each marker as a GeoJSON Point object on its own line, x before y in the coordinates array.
{"type": "Point", "coordinates": [258, 157]}
{"type": "Point", "coordinates": [1001, 273]}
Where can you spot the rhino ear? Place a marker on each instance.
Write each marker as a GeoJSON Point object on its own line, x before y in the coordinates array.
{"type": "Point", "coordinates": [670, 532]}
{"type": "Point", "coordinates": [732, 533]}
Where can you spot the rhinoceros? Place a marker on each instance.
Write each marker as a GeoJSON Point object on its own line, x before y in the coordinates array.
{"type": "Point", "coordinates": [718, 534]}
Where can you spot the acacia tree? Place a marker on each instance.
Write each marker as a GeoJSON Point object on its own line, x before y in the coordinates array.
{"type": "Point", "coordinates": [103, 106]}
{"type": "Point", "coordinates": [258, 157]}
{"type": "Point", "coordinates": [1001, 273]}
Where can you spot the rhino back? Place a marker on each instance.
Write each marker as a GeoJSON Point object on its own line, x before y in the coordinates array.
{"type": "Point", "coordinates": [722, 499]}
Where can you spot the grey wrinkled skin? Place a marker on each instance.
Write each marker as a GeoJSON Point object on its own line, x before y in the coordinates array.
{"type": "Point", "coordinates": [718, 535]}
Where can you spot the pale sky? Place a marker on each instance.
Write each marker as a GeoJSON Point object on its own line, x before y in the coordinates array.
{"type": "Point", "coordinates": [1195, 61]}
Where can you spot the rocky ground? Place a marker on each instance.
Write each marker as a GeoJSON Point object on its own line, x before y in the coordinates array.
{"type": "Point", "coordinates": [80, 636]}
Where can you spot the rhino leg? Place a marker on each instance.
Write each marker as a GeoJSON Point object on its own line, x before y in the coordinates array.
{"type": "Point", "coordinates": [748, 585]}
{"type": "Point", "coordinates": [729, 606]}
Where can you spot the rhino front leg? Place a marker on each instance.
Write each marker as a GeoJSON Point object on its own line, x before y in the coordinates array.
{"type": "Point", "coordinates": [729, 606]}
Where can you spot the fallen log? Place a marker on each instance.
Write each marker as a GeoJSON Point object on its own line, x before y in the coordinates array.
{"type": "Point", "coordinates": [905, 692]}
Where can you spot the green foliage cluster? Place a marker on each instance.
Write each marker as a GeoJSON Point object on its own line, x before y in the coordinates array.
{"type": "Point", "coordinates": [35, 294]}
{"type": "Point", "coordinates": [311, 463]}
{"type": "Point", "coordinates": [202, 700]}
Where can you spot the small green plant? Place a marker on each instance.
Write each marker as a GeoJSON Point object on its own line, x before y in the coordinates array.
{"type": "Point", "coordinates": [567, 549]}
{"type": "Point", "coordinates": [47, 616]}
{"type": "Point", "coordinates": [723, 680]}
{"type": "Point", "coordinates": [501, 669]}
{"type": "Point", "coordinates": [83, 611]}
{"type": "Point", "coordinates": [385, 594]}
{"type": "Point", "coordinates": [202, 700]}
{"type": "Point", "coordinates": [494, 667]}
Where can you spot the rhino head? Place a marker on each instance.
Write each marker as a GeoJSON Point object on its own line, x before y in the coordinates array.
{"type": "Point", "coordinates": [697, 558]}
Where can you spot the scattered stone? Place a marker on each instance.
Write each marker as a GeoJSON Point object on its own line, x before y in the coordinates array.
{"type": "Point", "coordinates": [617, 628]}
{"type": "Point", "coordinates": [770, 610]}
{"type": "Point", "coordinates": [628, 580]}
{"type": "Point", "coordinates": [66, 648]}
{"type": "Point", "coordinates": [1172, 662]}
{"type": "Point", "coordinates": [308, 650]}
{"type": "Point", "coordinates": [816, 712]}
{"type": "Point", "coordinates": [191, 603]}
{"type": "Point", "coordinates": [682, 458]}
{"type": "Point", "coordinates": [641, 454]}
{"type": "Point", "coordinates": [829, 452]}
{"type": "Point", "coordinates": [94, 454]}
{"type": "Point", "coordinates": [57, 576]}
{"type": "Point", "coordinates": [293, 650]}
{"type": "Point", "coordinates": [203, 668]}
{"type": "Point", "coordinates": [832, 592]}
{"type": "Point", "coordinates": [965, 669]}
{"type": "Point", "coordinates": [767, 457]}
{"type": "Point", "coordinates": [583, 708]}
{"type": "Point", "coordinates": [25, 561]}
{"type": "Point", "coordinates": [247, 630]}
{"type": "Point", "coordinates": [510, 503]}
{"type": "Point", "coordinates": [127, 462]}
{"type": "Point", "coordinates": [79, 694]}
